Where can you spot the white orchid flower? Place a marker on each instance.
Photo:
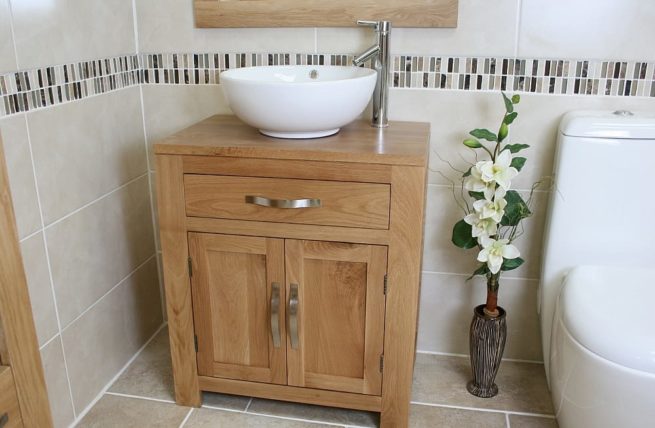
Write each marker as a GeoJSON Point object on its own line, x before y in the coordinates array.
{"type": "Point", "coordinates": [475, 182]}
{"type": "Point", "coordinates": [493, 209]}
{"type": "Point", "coordinates": [500, 171]}
{"type": "Point", "coordinates": [481, 226]}
{"type": "Point", "coordinates": [494, 251]}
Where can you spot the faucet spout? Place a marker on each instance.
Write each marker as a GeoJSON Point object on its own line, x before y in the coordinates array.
{"type": "Point", "coordinates": [380, 55]}
{"type": "Point", "coordinates": [368, 54]}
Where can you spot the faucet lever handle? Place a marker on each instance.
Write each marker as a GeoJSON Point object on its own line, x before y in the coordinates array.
{"type": "Point", "coordinates": [368, 23]}
{"type": "Point", "coordinates": [379, 26]}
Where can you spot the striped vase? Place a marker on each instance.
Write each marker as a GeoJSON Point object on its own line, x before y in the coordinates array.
{"type": "Point", "coordinates": [487, 343]}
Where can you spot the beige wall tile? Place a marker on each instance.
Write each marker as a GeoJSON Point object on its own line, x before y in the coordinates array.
{"type": "Point", "coordinates": [168, 26]}
{"type": "Point", "coordinates": [171, 108]}
{"type": "Point", "coordinates": [50, 32]}
{"type": "Point", "coordinates": [94, 249]}
{"type": "Point", "coordinates": [99, 343]}
{"type": "Point", "coordinates": [426, 416]}
{"type": "Point", "coordinates": [522, 387]}
{"type": "Point", "coordinates": [446, 310]}
{"type": "Point", "coordinates": [7, 54]}
{"type": "Point", "coordinates": [113, 411]}
{"type": "Point", "coordinates": [85, 149]}
{"type": "Point", "coordinates": [21, 174]}
{"type": "Point", "coordinates": [572, 29]}
{"type": "Point", "coordinates": [56, 381]}
{"type": "Point", "coordinates": [38, 281]}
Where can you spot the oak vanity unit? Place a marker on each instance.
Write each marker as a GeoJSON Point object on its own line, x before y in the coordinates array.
{"type": "Point", "coordinates": [292, 268]}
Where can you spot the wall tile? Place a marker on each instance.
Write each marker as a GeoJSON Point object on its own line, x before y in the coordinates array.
{"type": "Point", "coordinates": [85, 149]}
{"type": "Point", "coordinates": [578, 29]}
{"type": "Point", "coordinates": [38, 282]}
{"type": "Point", "coordinates": [21, 174]}
{"type": "Point", "coordinates": [94, 249]}
{"type": "Point", "coordinates": [99, 344]}
{"type": "Point", "coordinates": [446, 310]}
{"type": "Point", "coordinates": [168, 26]}
{"type": "Point", "coordinates": [171, 108]}
{"type": "Point", "coordinates": [52, 357]}
{"type": "Point", "coordinates": [7, 54]}
{"type": "Point", "coordinates": [50, 32]}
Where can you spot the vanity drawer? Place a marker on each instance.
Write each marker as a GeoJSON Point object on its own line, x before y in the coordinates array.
{"type": "Point", "coordinates": [9, 411]}
{"type": "Point", "coordinates": [332, 203]}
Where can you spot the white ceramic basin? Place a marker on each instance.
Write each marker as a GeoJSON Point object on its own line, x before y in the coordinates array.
{"type": "Point", "coordinates": [303, 101]}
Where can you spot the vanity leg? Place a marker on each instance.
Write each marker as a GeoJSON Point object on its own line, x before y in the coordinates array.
{"type": "Point", "coordinates": [175, 255]}
{"type": "Point", "coordinates": [404, 272]}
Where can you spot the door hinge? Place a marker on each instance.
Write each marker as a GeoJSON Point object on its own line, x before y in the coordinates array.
{"type": "Point", "coordinates": [385, 284]}
{"type": "Point", "coordinates": [190, 267]}
{"type": "Point", "coordinates": [195, 342]}
{"type": "Point", "coordinates": [381, 363]}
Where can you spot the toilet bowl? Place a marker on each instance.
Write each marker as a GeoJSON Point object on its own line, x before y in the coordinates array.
{"type": "Point", "coordinates": [597, 288]}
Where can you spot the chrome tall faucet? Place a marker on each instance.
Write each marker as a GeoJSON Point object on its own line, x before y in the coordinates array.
{"type": "Point", "coordinates": [380, 54]}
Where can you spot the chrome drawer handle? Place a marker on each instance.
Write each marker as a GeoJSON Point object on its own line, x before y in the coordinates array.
{"type": "Point", "coordinates": [4, 420]}
{"type": "Point", "coordinates": [293, 315]}
{"type": "Point", "coordinates": [282, 203]}
{"type": "Point", "coordinates": [275, 314]}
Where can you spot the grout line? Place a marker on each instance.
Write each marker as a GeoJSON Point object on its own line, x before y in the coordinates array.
{"type": "Point", "coordinates": [13, 33]}
{"type": "Point", "coordinates": [248, 405]}
{"type": "Point", "coordinates": [113, 380]}
{"type": "Point", "coordinates": [448, 186]}
{"type": "Point", "coordinates": [507, 420]}
{"type": "Point", "coordinates": [432, 272]}
{"type": "Point", "coordinates": [44, 240]}
{"type": "Point", "coordinates": [47, 342]}
{"type": "Point", "coordinates": [478, 409]}
{"type": "Point", "coordinates": [94, 304]}
{"type": "Point", "coordinates": [139, 397]}
{"type": "Point", "coordinates": [449, 354]}
{"type": "Point", "coordinates": [186, 418]}
{"type": "Point", "coordinates": [288, 418]}
{"type": "Point", "coordinates": [31, 235]}
{"type": "Point", "coordinates": [225, 409]}
{"type": "Point", "coordinates": [88, 204]}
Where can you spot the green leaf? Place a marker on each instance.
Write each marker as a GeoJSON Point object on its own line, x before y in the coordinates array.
{"type": "Point", "coordinates": [476, 195]}
{"type": "Point", "coordinates": [515, 148]}
{"type": "Point", "coordinates": [482, 270]}
{"type": "Point", "coordinates": [516, 99]}
{"type": "Point", "coordinates": [472, 143]}
{"type": "Point", "coordinates": [462, 235]}
{"type": "Point", "coordinates": [484, 134]}
{"type": "Point", "coordinates": [508, 103]}
{"type": "Point", "coordinates": [518, 163]}
{"type": "Point", "coordinates": [511, 264]}
{"type": "Point", "coordinates": [516, 209]}
{"type": "Point", "coordinates": [510, 118]}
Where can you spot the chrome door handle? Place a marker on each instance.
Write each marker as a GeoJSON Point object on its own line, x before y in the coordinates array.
{"type": "Point", "coordinates": [4, 420]}
{"type": "Point", "coordinates": [263, 201]}
{"type": "Point", "coordinates": [293, 315]}
{"type": "Point", "coordinates": [275, 314]}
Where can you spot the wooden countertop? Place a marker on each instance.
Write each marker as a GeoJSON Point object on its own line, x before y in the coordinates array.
{"type": "Point", "coordinates": [402, 143]}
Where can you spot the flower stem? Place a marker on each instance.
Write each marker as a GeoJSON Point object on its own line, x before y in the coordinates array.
{"type": "Point", "coordinates": [491, 307]}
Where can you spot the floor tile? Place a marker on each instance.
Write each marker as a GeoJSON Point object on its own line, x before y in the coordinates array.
{"type": "Point", "coordinates": [151, 374]}
{"type": "Point", "coordinates": [208, 418]}
{"type": "Point", "coordinates": [113, 411]}
{"type": "Point", "coordinates": [225, 401]}
{"type": "Point", "coordinates": [520, 421]}
{"type": "Point", "coordinates": [429, 416]}
{"type": "Point", "coordinates": [314, 413]}
{"type": "Point", "coordinates": [442, 380]}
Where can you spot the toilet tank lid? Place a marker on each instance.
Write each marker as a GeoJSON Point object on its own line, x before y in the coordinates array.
{"type": "Point", "coordinates": [609, 311]}
{"type": "Point", "coordinates": [620, 124]}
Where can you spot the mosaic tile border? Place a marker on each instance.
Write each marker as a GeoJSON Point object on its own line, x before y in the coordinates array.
{"type": "Point", "coordinates": [28, 90]}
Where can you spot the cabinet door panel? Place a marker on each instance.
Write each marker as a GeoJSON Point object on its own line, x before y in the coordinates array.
{"type": "Point", "coordinates": [232, 286]}
{"type": "Point", "coordinates": [340, 316]}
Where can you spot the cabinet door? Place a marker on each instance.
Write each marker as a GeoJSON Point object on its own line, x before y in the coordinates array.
{"type": "Point", "coordinates": [238, 306]}
{"type": "Point", "coordinates": [335, 315]}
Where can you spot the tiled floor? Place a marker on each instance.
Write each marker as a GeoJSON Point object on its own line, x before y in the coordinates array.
{"type": "Point", "coordinates": [143, 397]}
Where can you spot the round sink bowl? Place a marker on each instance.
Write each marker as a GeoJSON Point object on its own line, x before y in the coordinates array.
{"type": "Point", "coordinates": [298, 101]}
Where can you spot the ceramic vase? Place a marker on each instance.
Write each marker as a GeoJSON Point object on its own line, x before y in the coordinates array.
{"type": "Point", "coordinates": [487, 343]}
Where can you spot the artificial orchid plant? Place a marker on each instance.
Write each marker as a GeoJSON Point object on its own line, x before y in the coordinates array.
{"type": "Point", "coordinates": [493, 212]}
